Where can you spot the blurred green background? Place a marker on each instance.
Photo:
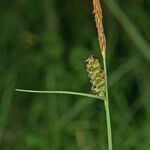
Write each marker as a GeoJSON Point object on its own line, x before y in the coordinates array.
{"type": "Point", "coordinates": [44, 45]}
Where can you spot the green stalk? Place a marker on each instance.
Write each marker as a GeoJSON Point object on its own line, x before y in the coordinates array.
{"type": "Point", "coordinates": [106, 103]}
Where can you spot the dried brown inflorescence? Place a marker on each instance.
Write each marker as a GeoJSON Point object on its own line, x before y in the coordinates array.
{"type": "Point", "coordinates": [96, 75]}
{"type": "Point", "coordinates": [99, 24]}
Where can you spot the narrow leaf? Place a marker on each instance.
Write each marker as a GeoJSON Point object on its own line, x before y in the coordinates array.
{"type": "Point", "coordinates": [61, 92]}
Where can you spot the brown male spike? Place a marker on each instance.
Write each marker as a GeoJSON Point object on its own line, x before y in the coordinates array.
{"type": "Point", "coordinates": [99, 24]}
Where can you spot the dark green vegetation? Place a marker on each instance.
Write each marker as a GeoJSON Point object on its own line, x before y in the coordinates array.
{"type": "Point", "coordinates": [43, 46]}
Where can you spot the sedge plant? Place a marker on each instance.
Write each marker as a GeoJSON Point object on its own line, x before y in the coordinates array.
{"type": "Point", "coordinates": [96, 73]}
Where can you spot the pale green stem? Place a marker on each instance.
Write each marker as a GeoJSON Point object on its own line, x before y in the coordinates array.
{"type": "Point", "coordinates": [61, 92]}
{"type": "Point", "coordinates": [106, 102]}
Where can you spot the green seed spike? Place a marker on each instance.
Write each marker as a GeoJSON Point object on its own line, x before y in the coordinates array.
{"type": "Point", "coordinates": [96, 75]}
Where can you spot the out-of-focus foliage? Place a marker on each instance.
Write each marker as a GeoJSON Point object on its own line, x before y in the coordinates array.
{"type": "Point", "coordinates": [43, 46]}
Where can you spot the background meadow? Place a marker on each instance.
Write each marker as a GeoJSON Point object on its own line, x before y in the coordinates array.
{"type": "Point", "coordinates": [44, 45]}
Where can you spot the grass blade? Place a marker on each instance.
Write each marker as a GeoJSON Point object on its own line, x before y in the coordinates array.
{"type": "Point", "coordinates": [130, 28]}
{"type": "Point", "coordinates": [61, 92]}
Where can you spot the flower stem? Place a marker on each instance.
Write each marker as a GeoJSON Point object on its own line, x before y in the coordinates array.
{"type": "Point", "coordinates": [106, 103]}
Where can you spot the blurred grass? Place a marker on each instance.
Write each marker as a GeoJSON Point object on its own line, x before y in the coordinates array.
{"type": "Point", "coordinates": [43, 46]}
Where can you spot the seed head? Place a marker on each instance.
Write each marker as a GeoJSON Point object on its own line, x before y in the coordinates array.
{"type": "Point", "coordinates": [96, 75]}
